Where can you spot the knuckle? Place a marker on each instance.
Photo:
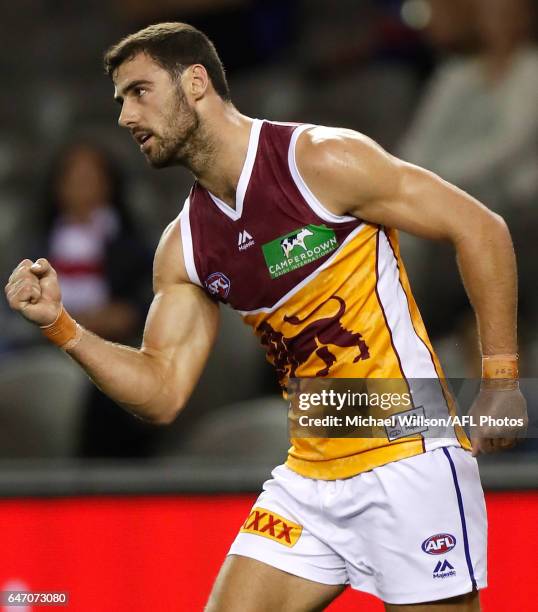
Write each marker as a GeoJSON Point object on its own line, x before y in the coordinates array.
{"type": "Point", "coordinates": [24, 265]}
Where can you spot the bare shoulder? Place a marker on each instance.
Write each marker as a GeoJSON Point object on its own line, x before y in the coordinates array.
{"type": "Point", "coordinates": [342, 166]}
{"type": "Point", "coordinates": [327, 141]}
{"type": "Point", "coordinates": [169, 264]}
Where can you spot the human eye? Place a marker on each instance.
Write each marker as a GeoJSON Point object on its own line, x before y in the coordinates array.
{"type": "Point", "coordinates": [139, 91]}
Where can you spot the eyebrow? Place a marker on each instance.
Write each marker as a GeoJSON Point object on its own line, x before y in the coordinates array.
{"type": "Point", "coordinates": [130, 86]}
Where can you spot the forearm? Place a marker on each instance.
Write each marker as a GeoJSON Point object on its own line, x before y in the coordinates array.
{"type": "Point", "coordinates": [487, 264]}
{"type": "Point", "coordinates": [484, 251]}
{"type": "Point", "coordinates": [135, 379]}
{"type": "Point", "coordinates": [156, 381]}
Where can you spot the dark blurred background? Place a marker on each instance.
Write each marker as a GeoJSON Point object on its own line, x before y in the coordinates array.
{"type": "Point", "coordinates": [449, 85]}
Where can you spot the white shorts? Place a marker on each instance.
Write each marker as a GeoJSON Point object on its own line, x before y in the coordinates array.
{"type": "Point", "coordinates": [411, 531]}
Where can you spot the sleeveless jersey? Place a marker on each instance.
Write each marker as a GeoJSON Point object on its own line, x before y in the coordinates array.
{"type": "Point", "coordinates": [327, 295]}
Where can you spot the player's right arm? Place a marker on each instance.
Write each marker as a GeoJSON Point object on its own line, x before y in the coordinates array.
{"type": "Point", "coordinates": [155, 381]}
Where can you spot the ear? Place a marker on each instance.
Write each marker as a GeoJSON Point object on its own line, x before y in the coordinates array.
{"type": "Point", "coordinates": [196, 81]}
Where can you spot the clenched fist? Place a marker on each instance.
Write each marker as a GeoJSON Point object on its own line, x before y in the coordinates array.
{"type": "Point", "coordinates": [34, 291]}
{"type": "Point", "coordinates": [500, 416]}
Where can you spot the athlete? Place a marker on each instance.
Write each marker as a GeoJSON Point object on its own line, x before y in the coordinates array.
{"type": "Point", "coordinates": [295, 226]}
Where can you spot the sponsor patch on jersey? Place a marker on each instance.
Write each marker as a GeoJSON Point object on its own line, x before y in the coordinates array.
{"type": "Point", "coordinates": [439, 544]}
{"type": "Point", "coordinates": [218, 284]}
{"type": "Point", "coordinates": [407, 423]}
{"type": "Point", "coordinates": [273, 526]}
{"type": "Point", "coordinates": [443, 569]}
{"type": "Point", "coordinates": [298, 248]}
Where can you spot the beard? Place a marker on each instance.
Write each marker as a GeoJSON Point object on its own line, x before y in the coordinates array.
{"type": "Point", "coordinates": [176, 145]}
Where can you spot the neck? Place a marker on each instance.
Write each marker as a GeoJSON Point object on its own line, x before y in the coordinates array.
{"type": "Point", "coordinates": [219, 149]}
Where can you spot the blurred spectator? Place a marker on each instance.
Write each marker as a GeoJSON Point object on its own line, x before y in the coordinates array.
{"type": "Point", "coordinates": [477, 127]}
{"type": "Point", "coordinates": [104, 271]}
{"type": "Point", "coordinates": [353, 53]}
{"type": "Point", "coordinates": [451, 29]}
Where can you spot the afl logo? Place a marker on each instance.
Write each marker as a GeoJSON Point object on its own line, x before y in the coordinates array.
{"type": "Point", "coordinates": [439, 544]}
{"type": "Point", "coordinates": [218, 284]}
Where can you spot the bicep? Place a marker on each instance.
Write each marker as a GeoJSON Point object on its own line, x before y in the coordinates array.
{"type": "Point", "coordinates": [180, 332]}
{"type": "Point", "coordinates": [181, 320]}
{"type": "Point", "coordinates": [421, 203]}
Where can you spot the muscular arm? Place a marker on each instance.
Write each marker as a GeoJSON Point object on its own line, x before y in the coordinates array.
{"type": "Point", "coordinates": [155, 381]}
{"type": "Point", "coordinates": [352, 175]}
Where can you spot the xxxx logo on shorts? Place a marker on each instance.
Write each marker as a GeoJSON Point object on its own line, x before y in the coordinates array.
{"type": "Point", "coordinates": [272, 526]}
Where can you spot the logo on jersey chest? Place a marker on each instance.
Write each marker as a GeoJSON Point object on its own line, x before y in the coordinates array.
{"type": "Point", "coordinates": [298, 248]}
{"type": "Point", "coordinates": [244, 240]}
{"type": "Point", "coordinates": [218, 284]}
{"type": "Point", "coordinates": [288, 353]}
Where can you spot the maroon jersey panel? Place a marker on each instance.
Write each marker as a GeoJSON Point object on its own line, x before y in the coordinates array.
{"type": "Point", "coordinates": [255, 255]}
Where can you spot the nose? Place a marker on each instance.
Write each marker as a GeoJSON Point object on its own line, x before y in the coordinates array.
{"type": "Point", "coordinates": [127, 116]}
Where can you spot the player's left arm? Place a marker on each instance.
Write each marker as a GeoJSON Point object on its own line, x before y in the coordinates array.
{"type": "Point", "coordinates": [352, 175]}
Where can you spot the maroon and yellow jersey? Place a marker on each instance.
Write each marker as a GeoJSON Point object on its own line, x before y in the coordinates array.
{"type": "Point", "coordinates": [327, 295]}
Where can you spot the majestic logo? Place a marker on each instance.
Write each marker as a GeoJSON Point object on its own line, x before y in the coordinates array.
{"type": "Point", "coordinates": [288, 353]}
{"type": "Point", "coordinates": [273, 526]}
{"type": "Point", "coordinates": [443, 569]}
{"type": "Point", "coordinates": [245, 240]}
{"type": "Point", "coordinates": [298, 248]}
{"type": "Point", "coordinates": [218, 284]}
{"type": "Point", "coordinates": [439, 544]}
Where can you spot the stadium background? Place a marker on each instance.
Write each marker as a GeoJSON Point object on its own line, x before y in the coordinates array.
{"type": "Point", "coordinates": [129, 517]}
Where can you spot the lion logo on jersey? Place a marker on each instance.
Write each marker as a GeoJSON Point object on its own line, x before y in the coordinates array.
{"type": "Point", "coordinates": [288, 353]}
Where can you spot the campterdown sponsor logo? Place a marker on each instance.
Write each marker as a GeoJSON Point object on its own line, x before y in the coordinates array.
{"type": "Point", "coordinates": [298, 248]}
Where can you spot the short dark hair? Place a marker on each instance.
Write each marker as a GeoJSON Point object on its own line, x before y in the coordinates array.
{"type": "Point", "coordinates": [174, 46]}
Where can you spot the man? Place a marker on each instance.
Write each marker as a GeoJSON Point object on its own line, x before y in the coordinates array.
{"type": "Point", "coordinates": [289, 225]}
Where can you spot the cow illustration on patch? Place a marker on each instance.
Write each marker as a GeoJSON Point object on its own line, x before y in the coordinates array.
{"type": "Point", "coordinates": [287, 353]}
{"type": "Point", "coordinates": [298, 248]}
